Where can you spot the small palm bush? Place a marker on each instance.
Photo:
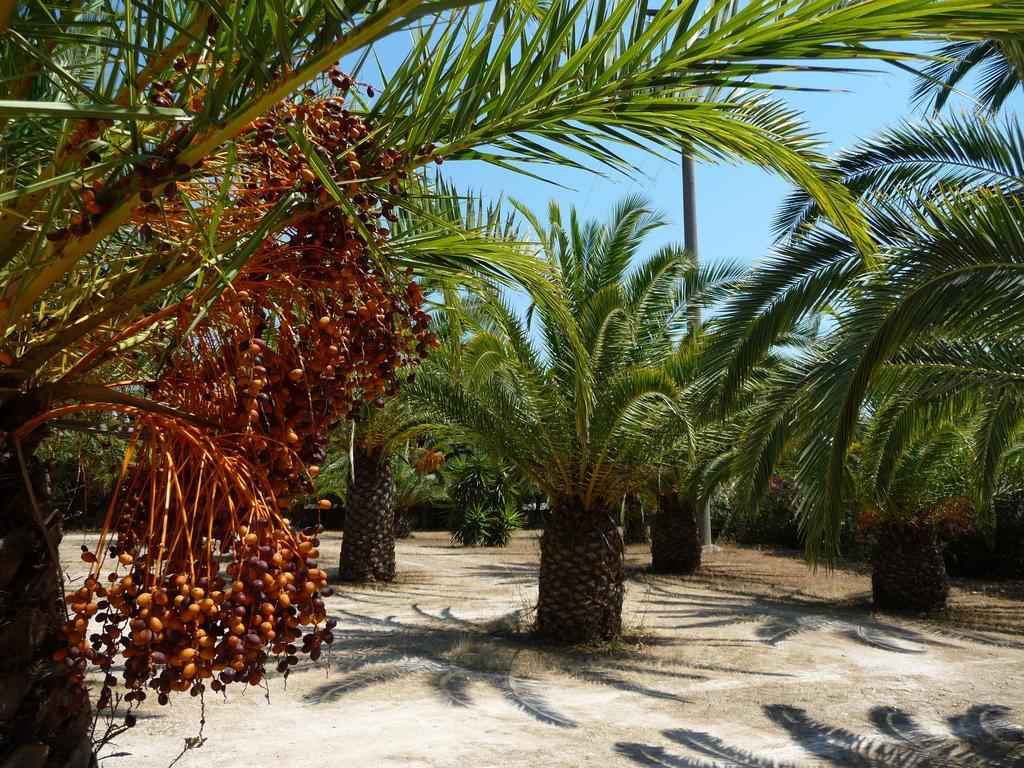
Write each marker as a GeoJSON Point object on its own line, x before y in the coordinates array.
{"type": "Point", "coordinates": [479, 479]}
{"type": "Point", "coordinates": [502, 524]}
{"type": "Point", "coordinates": [482, 525]}
{"type": "Point", "coordinates": [469, 526]}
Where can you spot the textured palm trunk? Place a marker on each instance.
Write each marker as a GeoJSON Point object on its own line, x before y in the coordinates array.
{"type": "Point", "coordinates": [44, 722]}
{"type": "Point", "coordinates": [368, 544]}
{"type": "Point", "coordinates": [675, 536]}
{"type": "Point", "coordinates": [581, 575]}
{"type": "Point", "coordinates": [908, 572]}
{"type": "Point", "coordinates": [634, 528]}
{"type": "Point", "coordinates": [403, 524]}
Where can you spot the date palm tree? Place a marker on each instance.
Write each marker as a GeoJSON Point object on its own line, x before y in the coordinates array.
{"type": "Point", "coordinates": [909, 471]}
{"type": "Point", "coordinates": [676, 535]}
{"type": "Point", "coordinates": [634, 524]}
{"type": "Point", "coordinates": [368, 542]}
{"type": "Point", "coordinates": [587, 406]}
{"type": "Point", "coordinates": [676, 540]}
{"type": "Point", "coordinates": [699, 458]}
{"type": "Point", "coordinates": [927, 330]}
{"type": "Point", "coordinates": [105, 109]}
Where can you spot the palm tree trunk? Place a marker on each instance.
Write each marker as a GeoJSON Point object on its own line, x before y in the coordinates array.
{"type": "Point", "coordinates": [634, 528]}
{"type": "Point", "coordinates": [675, 536]}
{"type": "Point", "coordinates": [45, 722]}
{"type": "Point", "coordinates": [403, 524]}
{"type": "Point", "coordinates": [368, 544]}
{"type": "Point", "coordinates": [581, 575]}
{"type": "Point", "coordinates": [907, 569]}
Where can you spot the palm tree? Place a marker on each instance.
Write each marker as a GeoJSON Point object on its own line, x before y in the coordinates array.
{"type": "Point", "coordinates": [417, 486]}
{"type": "Point", "coordinates": [698, 460]}
{"type": "Point", "coordinates": [676, 535]}
{"type": "Point", "coordinates": [440, 222]}
{"type": "Point", "coordinates": [676, 540]}
{"type": "Point", "coordinates": [108, 111]}
{"type": "Point", "coordinates": [909, 472]}
{"type": "Point", "coordinates": [925, 331]}
{"type": "Point", "coordinates": [82, 290]}
{"type": "Point", "coordinates": [634, 526]}
{"type": "Point", "coordinates": [586, 407]}
{"type": "Point", "coordinates": [688, 167]}
{"type": "Point", "coordinates": [368, 543]}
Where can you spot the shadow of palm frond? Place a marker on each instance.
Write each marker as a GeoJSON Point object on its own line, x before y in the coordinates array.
{"type": "Point", "coordinates": [985, 730]}
{"type": "Point", "coordinates": [642, 670]}
{"type": "Point", "coordinates": [457, 654]}
{"type": "Point", "coordinates": [388, 650]}
{"type": "Point", "coordinates": [454, 684]}
{"type": "Point", "coordinates": [974, 637]}
{"type": "Point", "coordinates": [445, 615]}
{"type": "Point", "coordinates": [529, 697]}
{"type": "Point", "coordinates": [978, 738]}
{"type": "Point", "coordinates": [506, 574]}
{"type": "Point", "coordinates": [652, 756]}
{"type": "Point", "coordinates": [616, 681]}
{"type": "Point", "coordinates": [1008, 619]}
{"type": "Point", "coordinates": [780, 621]}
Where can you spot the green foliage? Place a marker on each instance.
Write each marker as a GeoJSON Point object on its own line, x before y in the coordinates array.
{"type": "Point", "coordinates": [774, 522]}
{"type": "Point", "coordinates": [335, 472]}
{"type": "Point", "coordinates": [502, 523]}
{"type": "Point", "coordinates": [483, 525]}
{"type": "Point", "coordinates": [484, 493]}
{"type": "Point", "coordinates": [998, 63]}
{"type": "Point", "coordinates": [588, 394]}
{"type": "Point", "coordinates": [926, 484]}
{"type": "Point", "coordinates": [999, 554]}
{"type": "Point", "coordinates": [468, 526]}
{"type": "Point", "coordinates": [80, 469]}
{"type": "Point", "coordinates": [414, 488]}
{"type": "Point", "coordinates": [476, 479]}
{"type": "Point", "coordinates": [914, 357]}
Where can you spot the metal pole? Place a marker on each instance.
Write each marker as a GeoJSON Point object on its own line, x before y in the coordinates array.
{"type": "Point", "coordinates": [690, 241]}
{"type": "Point", "coordinates": [690, 210]}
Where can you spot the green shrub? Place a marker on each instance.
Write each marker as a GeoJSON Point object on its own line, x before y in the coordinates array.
{"type": "Point", "coordinates": [478, 479]}
{"type": "Point", "coordinates": [480, 525]}
{"type": "Point", "coordinates": [502, 524]}
{"type": "Point", "coordinates": [773, 524]}
{"type": "Point", "coordinates": [469, 526]}
{"type": "Point", "coordinates": [1000, 553]}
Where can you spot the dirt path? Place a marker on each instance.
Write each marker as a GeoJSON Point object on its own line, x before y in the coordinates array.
{"type": "Point", "coordinates": [427, 672]}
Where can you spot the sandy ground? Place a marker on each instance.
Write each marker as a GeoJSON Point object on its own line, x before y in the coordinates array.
{"type": "Point", "coordinates": [753, 662]}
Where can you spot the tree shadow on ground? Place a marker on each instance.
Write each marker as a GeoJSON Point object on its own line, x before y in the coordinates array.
{"type": "Point", "coordinates": [999, 618]}
{"type": "Point", "coordinates": [457, 655]}
{"type": "Point", "coordinates": [496, 575]}
{"type": "Point", "coordinates": [501, 574]}
{"type": "Point", "coordinates": [781, 620]}
{"type": "Point", "coordinates": [979, 738]}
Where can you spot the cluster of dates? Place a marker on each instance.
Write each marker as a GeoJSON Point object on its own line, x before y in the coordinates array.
{"type": "Point", "coordinates": [185, 632]}
{"type": "Point", "coordinates": [312, 325]}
